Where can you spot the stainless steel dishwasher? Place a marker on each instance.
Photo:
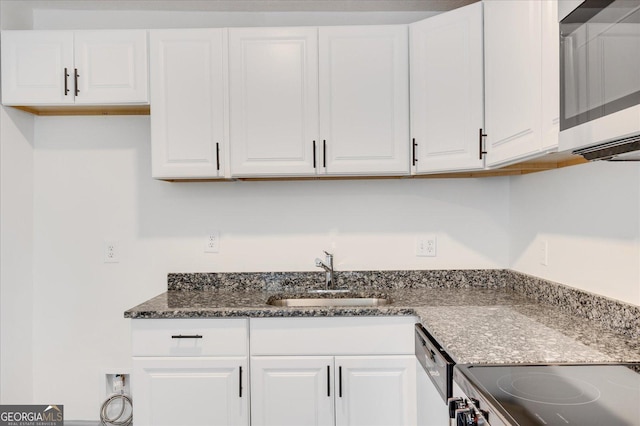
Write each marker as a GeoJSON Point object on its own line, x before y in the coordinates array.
{"type": "Point", "coordinates": [438, 366]}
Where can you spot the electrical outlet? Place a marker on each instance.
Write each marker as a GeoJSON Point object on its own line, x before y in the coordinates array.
{"type": "Point", "coordinates": [544, 253]}
{"type": "Point", "coordinates": [212, 242]}
{"type": "Point", "coordinates": [111, 252]}
{"type": "Point", "coordinates": [426, 246]}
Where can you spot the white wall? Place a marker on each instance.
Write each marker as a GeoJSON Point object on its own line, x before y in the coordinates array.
{"type": "Point", "coordinates": [16, 256]}
{"type": "Point", "coordinates": [589, 215]}
{"type": "Point", "coordinates": [92, 182]}
{"type": "Point", "coordinates": [83, 19]}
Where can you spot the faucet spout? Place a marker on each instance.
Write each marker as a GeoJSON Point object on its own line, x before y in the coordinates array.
{"type": "Point", "coordinates": [327, 265]}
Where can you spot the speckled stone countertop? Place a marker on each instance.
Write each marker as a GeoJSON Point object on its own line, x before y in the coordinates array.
{"type": "Point", "coordinates": [476, 322]}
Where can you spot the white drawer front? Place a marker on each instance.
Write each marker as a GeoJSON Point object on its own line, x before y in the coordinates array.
{"type": "Point", "coordinates": [189, 337]}
{"type": "Point", "coordinates": [332, 336]}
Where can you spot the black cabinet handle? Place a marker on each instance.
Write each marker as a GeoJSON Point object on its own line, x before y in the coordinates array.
{"type": "Point", "coordinates": [413, 148]}
{"type": "Point", "coordinates": [240, 383]}
{"type": "Point", "coordinates": [314, 154]}
{"type": "Point", "coordinates": [186, 336]}
{"type": "Point", "coordinates": [75, 80]}
{"type": "Point", "coordinates": [217, 156]}
{"type": "Point", "coordinates": [66, 81]}
{"type": "Point", "coordinates": [480, 136]}
{"type": "Point", "coordinates": [340, 382]}
{"type": "Point", "coordinates": [324, 153]}
{"type": "Point", "coordinates": [328, 381]}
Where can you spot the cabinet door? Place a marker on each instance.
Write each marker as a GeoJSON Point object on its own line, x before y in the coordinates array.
{"type": "Point", "coordinates": [513, 78]}
{"type": "Point", "coordinates": [376, 390]}
{"type": "Point", "coordinates": [273, 101]}
{"type": "Point", "coordinates": [190, 391]}
{"type": "Point", "coordinates": [550, 75]}
{"type": "Point", "coordinates": [33, 67]}
{"type": "Point", "coordinates": [188, 103]}
{"type": "Point", "coordinates": [112, 66]}
{"type": "Point", "coordinates": [447, 102]}
{"type": "Point", "coordinates": [364, 99]}
{"type": "Point", "coordinates": [295, 391]}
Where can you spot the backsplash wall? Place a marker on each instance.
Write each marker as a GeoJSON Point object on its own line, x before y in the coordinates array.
{"type": "Point", "coordinates": [589, 217]}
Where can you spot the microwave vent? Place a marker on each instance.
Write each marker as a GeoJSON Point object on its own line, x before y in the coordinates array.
{"type": "Point", "coordinates": [625, 149]}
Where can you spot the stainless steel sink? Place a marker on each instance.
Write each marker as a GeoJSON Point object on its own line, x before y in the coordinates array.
{"type": "Point", "coordinates": [329, 301]}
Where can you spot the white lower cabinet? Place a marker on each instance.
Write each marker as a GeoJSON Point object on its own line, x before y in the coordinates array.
{"type": "Point", "coordinates": [190, 391]}
{"type": "Point", "coordinates": [292, 391]}
{"type": "Point", "coordinates": [341, 390]}
{"type": "Point", "coordinates": [190, 372]}
{"type": "Point", "coordinates": [302, 371]}
{"type": "Point", "coordinates": [375, 390]}
{"type": "Point", "coordinates": [333, 371]}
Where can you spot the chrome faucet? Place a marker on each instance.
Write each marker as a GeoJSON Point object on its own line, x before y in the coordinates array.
{"type": "Point", "coordinates": [327, 265]}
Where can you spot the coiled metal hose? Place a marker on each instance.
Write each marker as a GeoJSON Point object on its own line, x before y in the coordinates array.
{"type": "Point", "coordinates": [118, 420]}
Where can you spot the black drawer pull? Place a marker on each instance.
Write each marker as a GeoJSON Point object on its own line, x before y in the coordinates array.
{"type": "Point", "coordinates": [186, 336]}
{"type": "Point", "coordinates": [324, 154]}
{"type": "Point", "coordinates": [314, 154]}
{"type": "Point", "coordinates": [328, 380]}
{"type": "Point", "coordinates": [217, 156]}
{"type": "Point", "coordinates": [75, 80]}
{"type": "Point", "coordinates": [413, 148]}
{"type": "Point", "coordinates": [480, 150]}
{"type": "Point", "coordinates": [66, 82]}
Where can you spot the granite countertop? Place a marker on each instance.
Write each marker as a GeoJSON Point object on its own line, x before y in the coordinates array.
{"type": "Point", "coordinates": [475, 325]}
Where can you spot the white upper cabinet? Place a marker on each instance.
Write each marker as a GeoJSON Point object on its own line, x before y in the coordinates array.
{"type": "Point", "coordinates": [34, 65]}
{"type": "Point", "coordinates": [356, 76]}
{"type": "Point", "coordinates": [550, 75]}
{"type": "Point", "coordinates": [514, 82]}
{"type": "Point", "coordinates": [74, 67]}
{"type": "Point", "coordinates": [273, 101]}
{"type": "Point", "coordinates": [112, 67]}
{"type": "Point", "coordinates": [447, 103]}
{"type": "Point", "coordinates": [188, 103]}
{"type": "Point", "coordinates": [364, 99]}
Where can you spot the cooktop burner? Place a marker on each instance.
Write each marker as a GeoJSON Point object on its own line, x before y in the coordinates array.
{"type": "Point", "coordinates": [546, 388]}
{"type": "Point", "coordinates": [585, 395]}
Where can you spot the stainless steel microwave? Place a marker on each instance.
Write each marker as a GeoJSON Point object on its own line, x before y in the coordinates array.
{"type": "Point", "coordinates": [600, 73]}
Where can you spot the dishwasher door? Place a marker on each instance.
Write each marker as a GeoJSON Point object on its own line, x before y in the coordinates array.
{"type": "Point", "coordinates": [435, 361]}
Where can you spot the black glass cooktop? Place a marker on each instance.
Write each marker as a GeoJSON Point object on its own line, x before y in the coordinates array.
{"type": "Point", "coordinates": [602, 395]}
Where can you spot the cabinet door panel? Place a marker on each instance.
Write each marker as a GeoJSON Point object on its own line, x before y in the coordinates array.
{"type": "Point", "coordinates": [112, 66]}
{"type": "Point", "coordinates": [364, 99]}
{"type": "Point", "coordinates": [550, 75]}
{"type": "Point", "coordinates": [295, 391]}
{"type": "Point", "coordinates": [33, 64]}
{"type": "Point", "coordinates": [188, 103]}
{"type": "Point", "coordinates": [513, 78]}
{"type": "Point", "coordinates": [273, 100]}
{"type": "Point", "coordinates": [447, 102]}
{"type": "Point", "coordinates": [190, 391]}
{"type": "Point", "coordinates": [376, 391]}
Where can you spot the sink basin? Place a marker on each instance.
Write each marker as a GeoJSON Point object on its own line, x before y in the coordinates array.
{"type": "Point", "coordinates": [329, 301]}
